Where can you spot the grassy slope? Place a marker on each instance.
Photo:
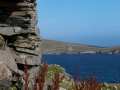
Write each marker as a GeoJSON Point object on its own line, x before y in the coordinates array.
{"type": "Point", "coordinates": [50, 46]}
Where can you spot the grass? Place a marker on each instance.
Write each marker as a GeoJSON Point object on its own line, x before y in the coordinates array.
{"type": "Point", "coordinates": [116, 84]}
{"type": "Point", "coordinates": [50, 46]}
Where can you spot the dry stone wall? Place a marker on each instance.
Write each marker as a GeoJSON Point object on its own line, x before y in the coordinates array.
{"type": "Point", "coordinates": [18, 19]}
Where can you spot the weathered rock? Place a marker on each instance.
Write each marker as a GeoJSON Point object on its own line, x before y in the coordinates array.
{"type": "Point", "coordinates": [29, 45]}
{"type": "Point", "coordinates": [31, 59]}
{"type": "Point", "coordinates": [20, 13]}
{"type": "Point", "coordinates": [13, 19]}
{"type": "Point", "coordinates": [34, 31]}
{"type": "Point", "coordinates": [20, 9]}
{"type": "Point", "coordinates": [19, 21]}
{"type": "Point", "coordinates": [28, 39]}
{"type": "Point", "coordinates": [4, 25]}
{"type": "Point", "coordinates": [25, 45]}
{"type": "Point", "coordinates": [24, 50]}
{"type": "Point", "coordinates": [62, 88]}
{"type": "Point", "coordinates": [34, 18]}
{"type": "Point", "coordinates": [16, 4]}
{"type": "Point", "coordinates": [17, 25]}
{"type": "Point", "coordinates": [117, 52]}
{"type": "Point", "coordinates": [34, 38]}
{"type": "Point", "coordinates": [113, 87]}
{"type": "Point", "coordinates": [66, 76]}
{"type": "Point", "coordinates": [34, 73]}
{"type": "Point", "coordinates": [9, 31]}
{"type": "Point", "coordinates": [5, 77]}
{"type": "Point", "coordinates": [7, 58]}
{"type": "Point", "coordinates": [105, 84]}
{"type": "Point", "coordinates": [48, 84]}
{"type": "Point", "coordinates": [69, 50]}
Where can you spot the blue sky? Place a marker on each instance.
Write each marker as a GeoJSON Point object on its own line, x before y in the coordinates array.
{"type": "Point", "coordinates": [93, 22]}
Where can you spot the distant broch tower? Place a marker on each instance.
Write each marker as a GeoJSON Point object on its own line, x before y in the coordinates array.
{"type": "Point", "coordinates": [18, 19]}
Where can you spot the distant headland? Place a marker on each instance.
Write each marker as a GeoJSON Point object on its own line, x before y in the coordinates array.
{"type": "Point", "coordinates": [58, 47]}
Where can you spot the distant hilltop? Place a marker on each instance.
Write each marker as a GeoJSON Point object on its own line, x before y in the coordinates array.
{"type": "Point", "coordinates": [58, 47]}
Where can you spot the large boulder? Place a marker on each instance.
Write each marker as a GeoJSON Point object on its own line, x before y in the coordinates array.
{"type": "Point", "coordinates": [8, 31]}
{"type": "Point", "coordinates": [5, 77]}
{"type": "Point", "coordinates": [7, 58]}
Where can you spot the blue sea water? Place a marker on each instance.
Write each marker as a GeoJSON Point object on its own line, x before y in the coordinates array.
{"type": "Point", "coordinates": [105, 67]}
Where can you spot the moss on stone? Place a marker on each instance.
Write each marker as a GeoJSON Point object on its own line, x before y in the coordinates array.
{"type": "Point", "coordinates": [52, 70]}
{"type": "Point", "coordinates": [66, 84]}
{"type": "Point", "coordinates": [1, 41]}
{"type": "Point", "coordinates": [56, 69]}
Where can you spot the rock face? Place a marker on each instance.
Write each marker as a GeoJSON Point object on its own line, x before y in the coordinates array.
{"type": "Point", "coordinates": [5, 77]}
{"type": "Point", "coordinates": [69, 49]}
{"type": "Point", "coordinates": [18, 19]}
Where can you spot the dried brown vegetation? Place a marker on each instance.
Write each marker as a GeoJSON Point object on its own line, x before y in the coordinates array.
{"type": "Point", "coordinates": [56, 82]}
{"type": "Point", "coordinates": [90, 83]}
{"type": "Point", "coordinates": [26, 75]}
{"type": "Point", "coordinates": [39, 82]}
{"type": "Point", "coordinates": [41, 78]}
{"type": "Point", "coordinates": [35, 85]}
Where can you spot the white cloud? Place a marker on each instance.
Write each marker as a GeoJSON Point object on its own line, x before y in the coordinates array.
{"type": "Point", "coordinates": [44, 8]}
{"type": "Point", "coordinates": [47, 22]}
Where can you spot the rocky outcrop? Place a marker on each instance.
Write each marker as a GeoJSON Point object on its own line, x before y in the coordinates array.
{"type": "Point", "coordinates": [5, 77]}
{"type": "Point", "coordinates": [18, 19]}
{"type": "Point", "coordinates": [69, 49]}
{"type": "Point", "coordinates": [66, 80]}
{"type": "Point", "coordinates": [105, 86]}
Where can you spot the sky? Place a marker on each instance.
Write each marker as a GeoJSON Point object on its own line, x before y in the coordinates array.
{"type": "Point", "coordinates": [92, 22]}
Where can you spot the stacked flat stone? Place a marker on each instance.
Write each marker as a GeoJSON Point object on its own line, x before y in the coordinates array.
{"type": "Point", "coordinates": [18, 19]}
{"type": "Point", "coordinates": [17, 23]}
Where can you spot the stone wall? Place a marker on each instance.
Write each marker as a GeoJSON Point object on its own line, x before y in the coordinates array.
{"type": "Point", "coordinates": [18, 19]}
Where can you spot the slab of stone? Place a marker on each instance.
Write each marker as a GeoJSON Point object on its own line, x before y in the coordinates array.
{"type": "Point", "coordinates": [7, 58]}
{"type": "Point", "coordinates": [34, 38]}
{"type": "Point", "coordinates": [25, 45]}
{"type": "Point", "coordinates": [9, 31]}
{"type": "Point", "coordinates": [27, 39]}
{"type": "Point", "coordinates": [14, 19]}
{"type": "Point", "coordinates": [34, 73]}
{"type": "Point", "coordinates": [34, 20]}
{"type": "Point", "coordinates": [20, 13]}
{"type": "Point", "coordinates": [20, 9]}
{"type": "Point", "coordinates": [34, 31]}
{"type": "Point", "coordinates": [29, 51]}
{"type": "Point", "coordinates": [5, 77]}
{"type": "Point", "coordinates": [4, 25]}
{"type": "Point", "coordinates": [25, 22]}
{"type": "Point", "coordinates": [31, 59]}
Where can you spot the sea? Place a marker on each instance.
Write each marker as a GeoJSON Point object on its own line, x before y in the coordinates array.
{"type": "Point", "coordinates": [105, 67]}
